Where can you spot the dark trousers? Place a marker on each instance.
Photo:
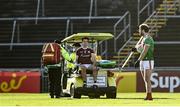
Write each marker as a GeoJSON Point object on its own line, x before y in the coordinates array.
{"type": "Point", "coordinates": [55, 81]}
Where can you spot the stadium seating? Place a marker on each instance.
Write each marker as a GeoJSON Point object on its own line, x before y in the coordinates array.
{"type": "Point", "coordinates": [18, 8]}
{"type": "Point", "coordinates": [47, 31]}
{"type": "Point", "coordinates": [44, 31]}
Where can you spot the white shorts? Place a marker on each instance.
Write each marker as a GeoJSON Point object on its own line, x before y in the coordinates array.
{"type": "Point", "coordinates": [87, 66]}
{"type": "Point", "coordinates": [149, 64]}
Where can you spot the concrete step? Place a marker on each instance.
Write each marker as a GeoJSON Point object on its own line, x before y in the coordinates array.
{"type": "Point", "coordinates": [154, 30]}
{"type": "Point", "coordinates": [159, 20]}
{"type": "Point", "coordinates": [130, 46]}
{"type": "Point", "coordinates": [157, 26]}
{"type": "Point", "coordinates": [168, 5]}
{"type": "Point", "coordinates": [168, 13]}
{"type": "Point", "coordinates": [158, 23]}
{"type": "Point", "coordinates": [136, 38]}
{"type": "Point", "coordinates": [168, 1]}
{"type": "Point", "coordinates": [135, 34]}
{"type": "Point", "coordinates": [164, 9]}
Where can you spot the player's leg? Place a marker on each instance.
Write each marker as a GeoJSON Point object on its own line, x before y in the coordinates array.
{"type": "Point", "coordinates": [83, 74]}
{"type": "Point", "coordinates": [94, 68]}
{"type": "Point", "coordinates": [142, 69]}
{"type": "Point", "coordinates": [95, 72]}
{"type": "Point", "coordinates": [148, 72]}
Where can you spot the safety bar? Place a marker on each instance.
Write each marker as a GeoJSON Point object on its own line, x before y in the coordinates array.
{"type": "Point", "coordinates": [37, 11]}
{"type": "Point", "coordinates": [92, 3]}
{"type": "Point", "coordinates": [139, 11]}
{"type": "Point", "coordinates": [126, 26]}
{"type": "Point", "coordinates": [21, 44]}
{"type": "Point", "coordinates": [59, 18]}
{"type": "Point", "coordinates": [12, 37]}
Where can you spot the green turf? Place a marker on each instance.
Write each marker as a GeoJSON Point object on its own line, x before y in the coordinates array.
{"type": "Point", "coordinates": [126, 99]}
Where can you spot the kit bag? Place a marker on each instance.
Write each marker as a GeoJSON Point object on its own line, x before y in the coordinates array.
{"type": "Point", "coordinates": [51, 54]}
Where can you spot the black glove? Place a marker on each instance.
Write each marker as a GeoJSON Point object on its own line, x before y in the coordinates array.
{"type": "Point", "coordinates": [136, 64]}
{"type": "Point", "coordinates": [134, 50]}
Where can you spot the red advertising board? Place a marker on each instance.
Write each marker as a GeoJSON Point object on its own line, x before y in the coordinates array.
{"type": "Point", "coordinates": [167, 81]}
{"type": "Point", "coordinates": [26, 82]}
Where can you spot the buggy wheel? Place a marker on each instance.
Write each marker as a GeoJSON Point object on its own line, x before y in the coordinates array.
{"type": "Point", "coordinates": [74, 93]}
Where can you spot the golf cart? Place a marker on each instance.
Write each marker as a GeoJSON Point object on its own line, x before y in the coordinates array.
{"type": "Point", "coordinates": [105, 80]}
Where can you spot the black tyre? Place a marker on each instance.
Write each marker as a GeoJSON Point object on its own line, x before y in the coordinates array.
{"type": "Point", "coordinates": [94, 96]}
{"type": "Point", "coordinates": [74, 93]}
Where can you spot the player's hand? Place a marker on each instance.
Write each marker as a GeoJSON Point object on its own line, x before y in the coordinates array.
{"type": "Point", "coordinates": [134, 50]}
{"type": "Point", "coordinates": [136, 64]}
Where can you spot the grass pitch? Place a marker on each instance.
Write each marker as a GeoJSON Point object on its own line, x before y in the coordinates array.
{"type": "Point", "coordinates": [125, 99]}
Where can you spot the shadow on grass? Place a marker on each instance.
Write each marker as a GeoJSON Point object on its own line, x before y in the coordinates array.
{"type": "Point", "coordinates": [126, 98]}
{"type": "Point", "coordinates": [143, 98]}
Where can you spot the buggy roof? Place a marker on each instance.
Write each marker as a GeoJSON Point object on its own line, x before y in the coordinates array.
{"type": "Point", "coordinates": [93, 37]}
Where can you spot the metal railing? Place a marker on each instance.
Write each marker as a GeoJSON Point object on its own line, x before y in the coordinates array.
{"type": "Point", "coordinates": [139, 12]}
{"type": "Point", "coordinates": [13, 32]}
{"type": "Point", "coordinates": [148, 5]}
{"type": "Point", "coordinates": [67, 19]}
{"type": "Point", "coordinates": [21, 44]}
{"type": "Point", "coordinates": [152, 22]}
{"type": "Point", "coordinates": [126, 19]}
{"type": "Point", "coordinates": [155, 15]}
{"type": "Point", "coordinates": [43, 8]}
{"type": "Point", "coordinates": [67, 27]}
{"type": "Point", "coordinates": [40, 2]}
{"type": "Point", "coordinates": [129, 41]}
{"type": "Point", "coordinates": [37, 11]}
{"type": "Point", "coordinates": [93, 3]}
{"type": "Point", "coordinates": [150, 2]}
{"type": "Point", "coordinates": [103, 45]}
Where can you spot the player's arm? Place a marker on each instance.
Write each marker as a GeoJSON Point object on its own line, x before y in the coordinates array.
{"type": "Point", "coordinates": [77, 58]}
{"type": "Point", "coordinates": [144, 52]}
